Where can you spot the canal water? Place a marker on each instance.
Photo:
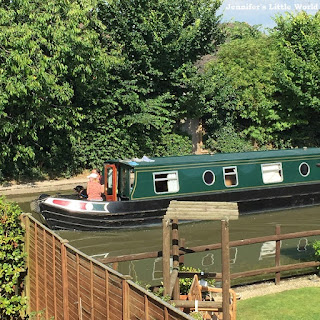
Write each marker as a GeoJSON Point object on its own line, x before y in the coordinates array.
{"type": "Point", "coordinates": [243, 258]}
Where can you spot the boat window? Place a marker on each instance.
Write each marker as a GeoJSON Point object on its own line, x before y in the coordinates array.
{"type": "Point", "coordinates": [166, 182]}
{"type": "Point", "coordinates": [131, 178]}
{"type": "Point", "coordinates": [272, 172]}
{"type": "Point", "coordinates": [304, 169]}
{"type": "Point", "coordinates": [124, 182]}
{"type": "Point", "coordinates": [208, 177]}
{"type": "Point", "coordinates": [230, 176]}
{"type": "Point", "coordinates": [109, 180]}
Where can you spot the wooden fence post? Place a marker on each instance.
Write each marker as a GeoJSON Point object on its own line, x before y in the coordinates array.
{"type": "Point", "coordinates": [36, 266]}
{"type": "Point", "coordinates": [181, 256]}
{"type": "Point", "coordinates": [175, 257]}
{"type": "Point", "coordinates": [278, 246]}
{"type": "Point", "coordinates": [146, 308]}
{"type": "Point", "coordinates": [91, 290]}
{"type": "Point", "coordinates": [26, 223]}
{"type": "Point", "coordinates": [53, 238]}
{"type": "Point", "coordinates": [125, 300]}
{"type": "Point", "coordinates": [78, 287]}
{"type": "Point", "coordinates": [107, 294]}
{"type": "Point", "coordinates": [65, 288]}
{"type": "Point", "coordinates": [166, 256]}
{"type": "Point", "coordinates": [45, 270]}
{"type": "Point", "coordinates": [225, 253]}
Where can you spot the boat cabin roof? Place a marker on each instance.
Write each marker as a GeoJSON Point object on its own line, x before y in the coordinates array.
{"type": "Point", "coordinates": [219, 157]}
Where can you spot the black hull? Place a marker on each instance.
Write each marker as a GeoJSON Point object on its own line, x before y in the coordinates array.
{"type": "Point", "coordinates": [135, 214]}
{"type": "Point", "coordinates": [63, 220]}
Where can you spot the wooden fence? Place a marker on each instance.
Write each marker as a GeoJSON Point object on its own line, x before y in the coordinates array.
{"type": "Point", "coordinates": [65, 284]}
{"type": "Point", "coordinates": [276, 270]}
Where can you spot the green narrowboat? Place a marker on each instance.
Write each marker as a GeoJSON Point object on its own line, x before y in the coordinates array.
{"type": "Point", "coordinates": [138, 191]}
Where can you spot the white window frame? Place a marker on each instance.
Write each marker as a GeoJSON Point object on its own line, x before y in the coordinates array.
{"type": "Point", "coordinates": [304, 175]}
{"type": "Point", "coordinates": [172, 182]}
{"type": "Point", "coordinates": [214, 178]}
{"type": "Point", "coordinates": [234, 173]}
{"type": "Point", "coordinates": [272, 175]}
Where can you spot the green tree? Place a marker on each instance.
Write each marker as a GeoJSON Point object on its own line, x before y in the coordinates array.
{"type": "Point", "coordinates": [240, 30]}
{"type": "Point", "coordinates": [240, 90]}
{"type": "Point", "coordinates": [161, 41]}
{"type": "Point", "coordinates": [75, 91]}
{"type": "Point", "coordinates": [298, 75]}
{"type": "Point", "coordinates": [52, 69]}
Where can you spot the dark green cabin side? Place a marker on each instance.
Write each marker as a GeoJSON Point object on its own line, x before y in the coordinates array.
{"type": "Point", "coordinates": [174, 177]}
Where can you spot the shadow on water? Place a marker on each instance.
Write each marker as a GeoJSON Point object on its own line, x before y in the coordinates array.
{"type": "Point", "coordinates": [122, 242]}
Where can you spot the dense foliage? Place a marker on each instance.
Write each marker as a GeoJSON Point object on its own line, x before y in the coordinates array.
{"type": "Point", "coordinates": [298, 75]}
{"type": "Point", "coordinates": [264, 89]}
{"type": "Point", "coordinates": [248, 64]}
{"type": "Point", "coordinates": [240, 87]}
{"type": "Point", "coordinates": [12, 263]}
{"type": "Point", "coordinates": [51, 58]}
{"type": "Point", "coordinates": [316, 248]}
{"type": "Point", "coordinates": [161, 40]}
{"type": "Point", "coordinates": [82, 81]}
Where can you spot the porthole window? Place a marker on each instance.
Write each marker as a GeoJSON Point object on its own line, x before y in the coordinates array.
{"type": "Point", "coordinates": [304, 169]}
{"type": "Point", "coordinates": [208, 177]}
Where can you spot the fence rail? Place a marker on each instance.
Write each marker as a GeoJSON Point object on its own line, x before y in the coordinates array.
{"type": "Point", "coordinates": [277, 237]}
{"type": "Point", "coordinates": [66, 284]}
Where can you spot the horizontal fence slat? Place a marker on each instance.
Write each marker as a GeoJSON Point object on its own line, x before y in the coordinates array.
{"type": "Point", "coordinates": [215, 246]}
{"type": "Point", "coordinates": [288, 267]}
{"type": "Point", "coordinates": [201, 304]}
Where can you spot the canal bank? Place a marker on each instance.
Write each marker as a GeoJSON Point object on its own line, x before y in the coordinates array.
{"type": "Point", "coordinates": [14, 188]}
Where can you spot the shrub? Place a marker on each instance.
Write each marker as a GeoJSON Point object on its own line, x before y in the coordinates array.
{"type": "Point", "coordinates": [12, 262]}
{"type": "Point", "coordinates": [185, 283]}
{"type": "Point", "coordinates": [316, 248]}
{"type": "Point", "coordinates": [226, 139]}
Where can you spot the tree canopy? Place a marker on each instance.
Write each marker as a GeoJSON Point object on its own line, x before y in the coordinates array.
{"type": "Point", "coordinates": [82, 81]}
{"type": "Point", "coordinates": [50, 55]}
{"type": "Point", "coordinates": [265, 88]}
{"type": "Point", "coordinates": [160, 41]}
{"type": "Point", "coordinates": [240, 88]}
{"type": "Point", "coordinates": [298, 75]}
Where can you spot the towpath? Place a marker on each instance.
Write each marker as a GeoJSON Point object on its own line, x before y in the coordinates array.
{"type": "Point", "coordinates": [43, 186]}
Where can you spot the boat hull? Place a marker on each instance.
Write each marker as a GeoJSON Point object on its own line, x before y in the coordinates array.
{"type": "Point", "coordinates": [134, 214]}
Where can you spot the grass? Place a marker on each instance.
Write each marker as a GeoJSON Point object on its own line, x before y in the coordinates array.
{"type": "Point", "coordinates": [298, 304]}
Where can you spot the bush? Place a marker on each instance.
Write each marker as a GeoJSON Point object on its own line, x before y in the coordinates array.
{"type": "Point", "coordinates": [316, 248]}
{"type": "Point", "coordinates": [12, 262]}
{"type": "Point", "coordinates": [226, 139]}
{"type": "Point", "coordinates": [185, 283]}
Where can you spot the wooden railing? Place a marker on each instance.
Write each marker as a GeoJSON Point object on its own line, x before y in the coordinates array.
{"type": "Point", "coordinates": [65, 284]}
{"type": "Point", "coordinates": [276, 269]}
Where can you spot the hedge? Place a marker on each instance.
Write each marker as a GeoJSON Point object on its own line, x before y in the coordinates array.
{"type": "Point", "coordinates": [12, 262]}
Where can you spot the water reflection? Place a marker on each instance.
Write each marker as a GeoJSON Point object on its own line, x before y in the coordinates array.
{"type": "Point", "coordinates": [122, 242]}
